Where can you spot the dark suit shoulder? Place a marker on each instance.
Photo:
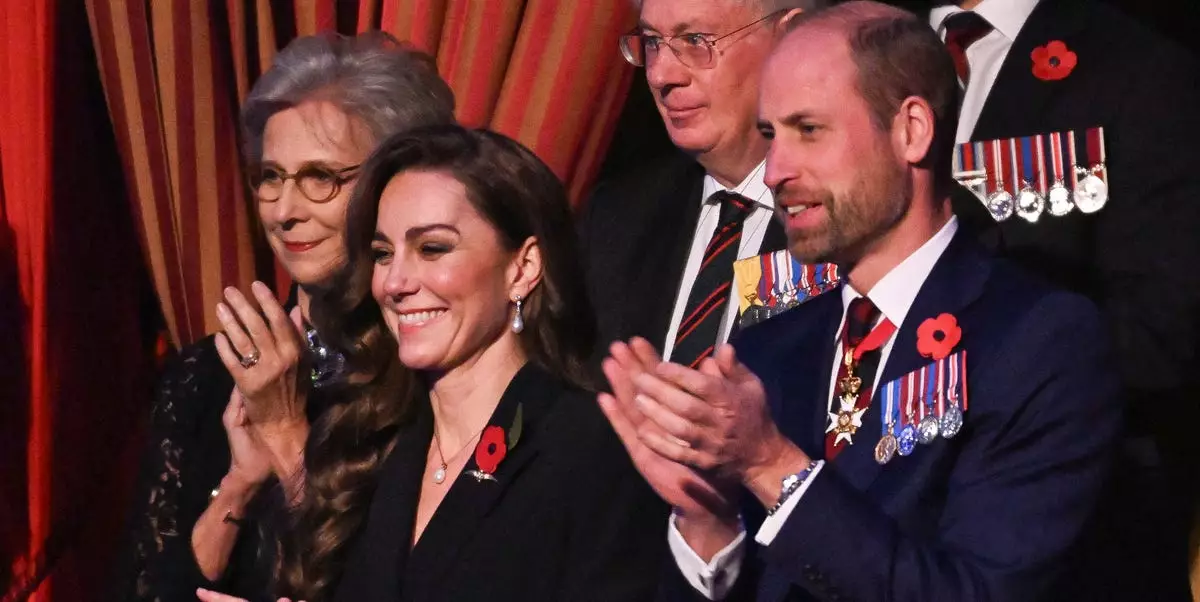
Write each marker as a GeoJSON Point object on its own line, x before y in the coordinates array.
{"type": "Point", "coordinates": [1024, 333]}
{"type": "Point", "coordinates": [1120, 31]}
{"type": "Point", "coordinates": [661, 175]}
{"type": "Point", "coordinates": [1025, 292]}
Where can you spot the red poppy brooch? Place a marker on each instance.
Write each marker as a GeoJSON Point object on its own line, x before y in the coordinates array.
{"type": "Point", "coordinates": [1053, 62]}
{"type": "Point", "coordinates": [936, 337]}
{"type": "Point", "coordinates": [494, 445]}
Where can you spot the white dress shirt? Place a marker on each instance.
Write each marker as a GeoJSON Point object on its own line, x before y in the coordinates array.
{"type": "Point", "coordinates": [987, 54]}
{"type": "Point", "coordinates": [753, 231]}
{"type": "Point", "coordinates": [893, 295]}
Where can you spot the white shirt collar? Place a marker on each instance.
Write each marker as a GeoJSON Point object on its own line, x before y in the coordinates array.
{"type": "Point", "coordinates": [752, 187]}
{"type": "Point", "coordinates": [1006, 16]}
{"type": "Point", "coordinates": [896, 291]}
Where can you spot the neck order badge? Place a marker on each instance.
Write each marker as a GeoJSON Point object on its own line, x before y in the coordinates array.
{"type": "Point", "coordinates": [853, 399]}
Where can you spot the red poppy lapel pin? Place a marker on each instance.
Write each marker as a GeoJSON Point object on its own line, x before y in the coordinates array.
{"type": "Point", "coordinates": [1053, 62]}
{"type": "Point", "coordinates": [936, 337]}
{"type": "Point", "coordinates": [493, 447]}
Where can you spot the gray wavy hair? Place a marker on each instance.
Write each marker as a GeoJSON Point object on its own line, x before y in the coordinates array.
{"type": "Point", "coordinates": [385, 85]}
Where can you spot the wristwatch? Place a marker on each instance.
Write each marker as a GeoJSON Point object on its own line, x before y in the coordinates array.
{"type": "Point", "coordinates": [789, 485]}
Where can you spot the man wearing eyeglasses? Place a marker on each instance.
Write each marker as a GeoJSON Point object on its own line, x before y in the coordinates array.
{"type": "Point", "coordinates": [660, 241]}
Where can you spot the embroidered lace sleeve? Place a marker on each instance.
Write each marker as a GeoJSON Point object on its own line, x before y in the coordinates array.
{"type": "Point", "coordinates": [185, 457]}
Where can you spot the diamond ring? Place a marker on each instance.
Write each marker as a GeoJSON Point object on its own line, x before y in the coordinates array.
{"type": "Point", "coordinates": [251, 359]}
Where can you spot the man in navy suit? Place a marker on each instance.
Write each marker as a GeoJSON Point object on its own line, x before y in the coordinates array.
{"type": "Point", "coordinates": [887, 466]}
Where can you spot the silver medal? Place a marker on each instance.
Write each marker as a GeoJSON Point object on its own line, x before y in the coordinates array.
{"type": "Point", "coordinates": [907, 441]}
{"type": "Point", "coordinates": [927, 430]}
{"type": "Point", "coordinates": [1060, 200]}
{"type": "Point", "coordinates": [1000, 205]}
{"type": "Point", "coordinates": [951, 422]}
{"type": "Point", "coordinates": [1091, 194]}
{"type": "Point", "coordinates": [1030, 205]}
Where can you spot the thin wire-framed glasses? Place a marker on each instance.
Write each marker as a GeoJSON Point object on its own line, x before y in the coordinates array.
{"type": "Point", "coordinates": [696, 50]}
{"type": "Point", "coordinates": [318, 183]}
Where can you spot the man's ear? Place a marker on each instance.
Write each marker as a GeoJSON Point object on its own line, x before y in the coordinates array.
{"type": "Point", "coordinates": [913, 130]}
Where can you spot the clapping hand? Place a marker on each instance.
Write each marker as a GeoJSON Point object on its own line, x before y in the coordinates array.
{"type": "Point", "coordinates": [264, 353]}
{"type": "Point", "coordinates": [714, 419]}
{"type": "Point", "coordinates": [686, 489]}
{"type": "Point", "coordinates": [250, 462]}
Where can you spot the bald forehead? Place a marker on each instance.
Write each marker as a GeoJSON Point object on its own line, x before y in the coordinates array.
{"type": "Point", "coordinates": [807, 75]}
{"type": "Point", "coordinates": [849, 17]}
{"type": "Point", "coordinates": [823, 48]}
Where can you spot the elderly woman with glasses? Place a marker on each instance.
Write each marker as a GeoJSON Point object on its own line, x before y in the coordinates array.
{"type": "Point", "coordinates": [222, 450]}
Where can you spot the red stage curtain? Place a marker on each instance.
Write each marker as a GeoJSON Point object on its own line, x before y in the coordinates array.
{"type": "Point", "coordinates": [73, 374]}
{"type": "Point", "coordinates": [543, 71]}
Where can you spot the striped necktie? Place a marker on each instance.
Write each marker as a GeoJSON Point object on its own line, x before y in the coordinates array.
{"type": "Point", "coordinates": [697, 334]}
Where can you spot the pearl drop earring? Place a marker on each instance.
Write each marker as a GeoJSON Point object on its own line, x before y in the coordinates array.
{"type": "Point", "coordinates": [518, 321]}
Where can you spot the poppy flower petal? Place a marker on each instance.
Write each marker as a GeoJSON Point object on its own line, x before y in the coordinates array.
{"type": "Point", "coordinates": [491, 449]}
{"type": "Point", "coordinates": [930, 344]}
{"type": "Point", "coordinates": [1054, 61]}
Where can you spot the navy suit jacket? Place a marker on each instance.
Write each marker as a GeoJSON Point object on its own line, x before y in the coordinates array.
{"type": "Point", "coordinates": [987, 515]}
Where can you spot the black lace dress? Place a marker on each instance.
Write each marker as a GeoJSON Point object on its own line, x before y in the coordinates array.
{"type": "Point", "coordinates": [186, 457]}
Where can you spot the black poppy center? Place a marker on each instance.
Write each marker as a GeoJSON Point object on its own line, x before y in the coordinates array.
{"type": "Point", "coordinates": [939, 335]}
{"type": "Point", "coordinates": [491, 448]}
{"type": "Point", "coordinates": [1054, 62]}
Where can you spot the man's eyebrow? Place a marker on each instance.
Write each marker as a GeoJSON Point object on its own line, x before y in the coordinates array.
{"type": "Point", "coordinates": [684, 27]}
{"type": "Point", "coordinates": [794, 120]}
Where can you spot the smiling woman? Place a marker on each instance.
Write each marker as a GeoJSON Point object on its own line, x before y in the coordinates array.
{"type": "Point", "coordinates": [466, 431]}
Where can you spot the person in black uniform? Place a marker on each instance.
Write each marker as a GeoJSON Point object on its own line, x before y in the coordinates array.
{"type": "Point", "coordinates": [1044, 67]}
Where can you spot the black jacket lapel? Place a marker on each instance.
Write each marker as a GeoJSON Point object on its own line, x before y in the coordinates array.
{"type": "Point", "coordinates": [1017, 94]}
{"type": "Point", "coordinates": [381, 550]}
{"type": "Point", "coordinates": [956, 281]}
{"type": "Point", "coordinates": [824, 345]}
{"type": "Point", "coordinates": [469, 500]}
{"type": "Point", "coordinates": [676, 227]}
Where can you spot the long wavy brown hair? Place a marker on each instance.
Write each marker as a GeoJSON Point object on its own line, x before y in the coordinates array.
{"type": "Point", "coordinates": [519, 196]}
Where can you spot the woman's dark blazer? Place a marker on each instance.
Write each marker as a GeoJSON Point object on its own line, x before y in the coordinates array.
{"type": "Point", "coordinates": [567, 517]}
